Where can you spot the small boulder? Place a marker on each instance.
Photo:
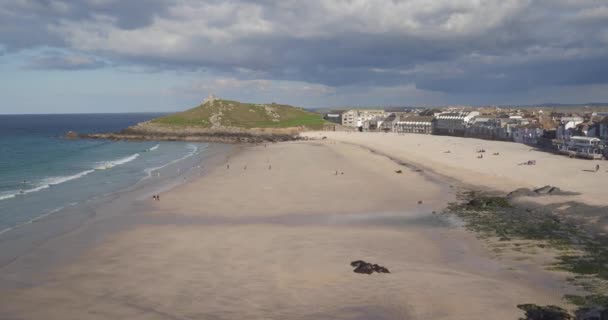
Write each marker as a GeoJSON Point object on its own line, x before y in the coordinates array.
{"type": "Point", "coordinates": [592, 314]}
{"type": "Point", "coordinates": [521, 192]}
{"type": "Point", "coordinates": [535, 312]}
{"type": "Point", "coordinates": [543, 190]}
{"type": "Point", "coordinates": [367, 268]}
{"type": "Point", "coordinates": [364, 268]}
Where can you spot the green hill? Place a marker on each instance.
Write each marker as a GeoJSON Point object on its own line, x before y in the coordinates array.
{"type": "Point", "coordinates": [218, 113]}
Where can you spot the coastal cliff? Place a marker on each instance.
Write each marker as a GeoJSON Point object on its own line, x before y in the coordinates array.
{"type": "Point", "coordinates": [225, 121]}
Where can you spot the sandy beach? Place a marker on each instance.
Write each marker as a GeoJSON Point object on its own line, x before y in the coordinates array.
{"type": "Point", "coordinates": [269, 234]}
{"type": "Point", "coordinates": [457, 158]}
{"type": "Point", "coordinates": [503, 172]}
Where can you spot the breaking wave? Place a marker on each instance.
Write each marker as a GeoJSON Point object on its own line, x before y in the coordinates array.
{"type": "Point", "coordinates": [111, 164]}
{"type": "Point", "coordinates": [193, 150]}
{"type": "Point", "coordinates": [53, 181]}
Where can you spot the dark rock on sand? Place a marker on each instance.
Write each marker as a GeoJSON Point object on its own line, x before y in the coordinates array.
{"type": "Point", "coordinates": [364, 268]}
{"type": "Point", "coordinates": [546, 190]}
{"type": "Point", "coordinates": [367, 268]}
{"type": "Point", "coordinates": [535, 312]}
{"type": "Point", "coordinates": [522, 192]}
{"type": "Point", "coordinates": [592, 314]}
{"type": "Point", "coordinates": [380, 269]}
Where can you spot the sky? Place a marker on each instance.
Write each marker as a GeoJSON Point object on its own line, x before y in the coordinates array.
{"type": "Point", "coordinates": [60, 56]}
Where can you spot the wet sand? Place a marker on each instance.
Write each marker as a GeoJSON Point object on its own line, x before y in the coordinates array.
{"type": "Point", "coordinates": [272, 238]}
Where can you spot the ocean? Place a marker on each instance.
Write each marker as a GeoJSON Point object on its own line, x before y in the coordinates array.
{"type": "Point", "coordinates": [42, 173]}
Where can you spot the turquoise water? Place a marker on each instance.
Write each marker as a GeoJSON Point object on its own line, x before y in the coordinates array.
{"type": "Point", "coordinates": [42, 173]}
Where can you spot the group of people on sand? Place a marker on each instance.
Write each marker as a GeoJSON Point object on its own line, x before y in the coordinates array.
{"type": "Point", "coordinates": [156, 197]}
{"type": "Point", "coordinates": [482, 151]}
{"type": "Point", "coordinates": [529, 163]}
{"type": "Point", "coordinates": [245, 167]}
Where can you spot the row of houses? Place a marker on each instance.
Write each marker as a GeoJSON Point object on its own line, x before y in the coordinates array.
{"type": "Point", "coordinates": [558, 131]}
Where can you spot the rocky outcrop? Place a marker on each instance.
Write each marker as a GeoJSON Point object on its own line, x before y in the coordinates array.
{"type": "Point", "coordinates": [367, 268]}
{"type": "Point", "coordinates": [543, 191]}
{"type": "Point", "coordinates": [534, 312]}
{"type": "Point", "coordinates": [72, 135]}
{"type": "Point", "coordinates": [158, 132]}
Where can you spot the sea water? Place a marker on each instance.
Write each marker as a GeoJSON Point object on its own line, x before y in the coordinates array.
{"type": "Point", "coordinates": [43, 173]}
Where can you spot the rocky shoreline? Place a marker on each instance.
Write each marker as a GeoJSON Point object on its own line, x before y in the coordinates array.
{"type": "Point", "coordinates": [509, 225]}
{"type": "Point", "coordinates": [150, 131]}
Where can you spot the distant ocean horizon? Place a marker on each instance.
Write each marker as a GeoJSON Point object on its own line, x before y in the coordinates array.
{"type": "Point", "coordinates": [42, 172]}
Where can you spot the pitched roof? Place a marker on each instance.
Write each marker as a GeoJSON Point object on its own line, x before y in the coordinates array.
{"type": "Point", "coordinates": [416, 118]}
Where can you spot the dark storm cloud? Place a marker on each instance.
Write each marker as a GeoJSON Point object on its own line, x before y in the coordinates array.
{"type": "Point", "coordinates": [446, 46]}
{"type": "Point", "coordinates": [25, 23]}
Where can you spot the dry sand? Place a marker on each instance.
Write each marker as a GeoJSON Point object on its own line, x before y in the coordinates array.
{"type": "Point", "coordinates": [501, 172]}
{"type": "Point", "coordinates": [274, 241]}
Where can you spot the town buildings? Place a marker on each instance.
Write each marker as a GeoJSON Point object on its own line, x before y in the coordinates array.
{"type": "Point", "coordinates": [453, 123]}
{"type": "Point", "coordinates": [356, 117]}
{"type": "Point", "coordinates": [414, 124]}
{"type": "Point", "coordinates": [335, 117]}
{"type": "Point", "coordinates": [583, 134]}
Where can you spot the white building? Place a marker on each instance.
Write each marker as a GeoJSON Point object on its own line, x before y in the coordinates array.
{"type": "Point", "coordinates": [604, 129]}
{"type": "Point", "coordinates": [454, 123]}
{"type": "Point", "coordinates": [567, 127]}
{"type": "Point", "coordinates": [414, 124]}
{"type": "Point", "coordinates": [357, 117]}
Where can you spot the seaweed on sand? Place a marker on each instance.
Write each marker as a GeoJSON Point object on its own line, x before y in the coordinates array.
{"type": "Point", "coordinates": [494, 216]}
{"type": "Point", "coordinates": [582, 253]}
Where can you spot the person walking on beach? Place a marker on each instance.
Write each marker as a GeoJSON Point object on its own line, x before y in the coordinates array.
{"type": "Point", "coordinates": [597, 167]}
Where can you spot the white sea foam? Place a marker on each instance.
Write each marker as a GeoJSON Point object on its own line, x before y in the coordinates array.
{"type": "Point", "coordinates": [5, 230]}
{"type": "Point", "coordinates": [53, 181]}
{"type": "Point", "coordinates": [154, 148]}
{"type": "Point", "coordinates": [44, 184]}
{"type": "Point", "coordinates": [193, 150]}
{"type": "Point", "coordinates": [7, 195]}
{"type": "Point", "coordinates": [111, 164]}
{"type": "Point", "coordinates": [40, 217]}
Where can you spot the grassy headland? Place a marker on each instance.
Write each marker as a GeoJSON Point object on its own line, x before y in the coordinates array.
{"type": "Point", "coordinates": [226, 121]}
{"type": "Point", "coordinates": [216, 113]}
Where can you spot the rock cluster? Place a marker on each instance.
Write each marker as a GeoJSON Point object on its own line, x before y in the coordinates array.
{"type": "Point", "coordinates": [367, 268]}
{"type": "Point", "coordinates": [71, 135]}
{"type": "Point", "coordinates": [535, 312]}
{"type": "Point", "coordinates": [546, 190]}
{"type": "Point", "coordinates": [592, 314]}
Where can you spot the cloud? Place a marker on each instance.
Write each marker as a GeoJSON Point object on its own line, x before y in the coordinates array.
{"type": "Point", "coordinates": [443, 46]}
{"type": "Point", "coordinates": [228, 86]}
{"type": "Point", "coordinates": [64, 61]}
